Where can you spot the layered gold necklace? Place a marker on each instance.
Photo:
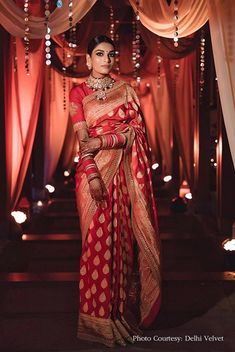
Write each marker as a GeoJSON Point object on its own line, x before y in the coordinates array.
{"type": "Point", "coordinates": [101, 85]}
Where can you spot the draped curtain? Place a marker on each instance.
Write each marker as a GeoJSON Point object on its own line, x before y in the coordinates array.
{"type": "Point", "coordinates": [222, 28]}
{"type": "Point", "coordinates": [12, 18]}
{"type": "Point", "coordinates": [22, 101]}
{"type": "Point", "coordinates": [56, 94]}
{"type": "Point", "coordinates": [157, 16]}
{"type": "Point", "coordinates": [180, 75]}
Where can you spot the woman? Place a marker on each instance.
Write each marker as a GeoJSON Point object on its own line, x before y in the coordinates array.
{"type": "Point", "coordinates": [116, 206]}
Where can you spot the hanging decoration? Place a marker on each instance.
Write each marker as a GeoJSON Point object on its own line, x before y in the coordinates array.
{"type": "Point", "coordinates": [64, 81]}
{"type": "Point", "coordinates": [72, 34]}
{"type": "Point", "coordinates": [26, 35]}
{"type": "Point", "coordinates": [202, 62]}
{"type": "Point", "coordinates": [114, 35]}
{"type": "Point", "coordinates": [14, 54]}
{"type": "Point", "coordinates": [176, 28]}
{"type": "Point", "coordinates": [111, 18]}
{"type": "Point", "coordinates": [117, 53]}
{"type": "Point", "coordinates": [159, 60]}
{"type": "Point", "coordinates": [47, 35]}
{"type": "Point", "coordinates": [136, 45]}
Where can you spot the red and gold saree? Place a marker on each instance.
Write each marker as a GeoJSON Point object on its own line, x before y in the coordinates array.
{"type": "Point", "coordinates": [127, 227]}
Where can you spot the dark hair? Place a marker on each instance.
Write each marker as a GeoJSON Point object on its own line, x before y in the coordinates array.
{"type": "Point", "coordinates": [97, 40]}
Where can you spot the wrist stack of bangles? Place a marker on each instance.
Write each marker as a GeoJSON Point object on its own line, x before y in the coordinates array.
{"type": "Point", "coordinates": [90, 167]}
{"type": "Point", "coordinates": [109, 141]}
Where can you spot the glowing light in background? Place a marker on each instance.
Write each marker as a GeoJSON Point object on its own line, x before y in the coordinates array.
{"type": "Point", "coordinates": [50, 188]}
{"type": "Point", "coordinates": [76, 159]}
{"type": "Point", "coordinates": [167, 178]}
{"type": "Point", "coordinates": [19, 216]}
{"type": "Point", "coordinates": [39, 203]}
{"type": "Point", "coordinates": [155, 166]}
{"type": "Point", "coordinates": [66, 173]}
{"type": "Point", "coordinates": [188, 195]}
{"type": "Point", "coordinates": [229, 245]}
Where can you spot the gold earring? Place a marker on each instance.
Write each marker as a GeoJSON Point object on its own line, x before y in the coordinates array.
{"type": "Point", "coordinates": [88, 65]}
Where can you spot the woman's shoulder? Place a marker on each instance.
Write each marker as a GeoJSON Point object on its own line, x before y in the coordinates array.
{"type": "Point", "coordinates": [78, 91]}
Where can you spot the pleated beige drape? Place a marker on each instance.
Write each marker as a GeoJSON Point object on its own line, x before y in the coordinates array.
{"type": "Point", "coordinates": [222, 28]}
{"type": "Point", "coordinates": [12, 18]}
{"type": "Point", "coordinates": [22, 101]}
{"type": "Point", "coordinates": [157, 16]}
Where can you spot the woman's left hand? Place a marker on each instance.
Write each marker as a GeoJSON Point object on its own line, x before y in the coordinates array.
{"type": "Point", "coordinates": [90, 145]}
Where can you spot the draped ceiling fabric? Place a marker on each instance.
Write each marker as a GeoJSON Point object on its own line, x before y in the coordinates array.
{"type": "Point", "coordinates": [222, 28]}
{"type": "Point", "coordinates": [12, 18]}
{"type": "Point", "coordinates": [157, 16]}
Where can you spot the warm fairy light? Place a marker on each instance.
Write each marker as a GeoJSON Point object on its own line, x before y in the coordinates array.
{"type": "Point", "coordinates": [24, 237]}
{"type": "Point", "coordinates": [66, 173]}
{"type": "Point", "coordinates": [47, 35]}
{"type": "Point", "coordinates": [167, 178]}
{"type": "Point", "coordinates": [215, 164]}
{"type": "Point", "coordinates": [229, 245]}
{"type": "Point", "coordinates": [26, 35]}
{"type": "Point", "coordinates": [50, 188]}
{"type": "Point", "coordinates": [216, 140]}
{"type": "Point", "coordinates": [188, 195]}
{"type": "Point", "coordinates": [176, 28]}
{"type": "Point", "coordinates": [76, 159]}
{"type": "Point", "coordinates": [212, 160]}
{"type": "Point", "coordinates": [155, 166]}
{"type": "Point", "coordinates": [19, 216]}
{"type": "Point", "coordinates": [39, 203]}
{"type": "Point", "coordinates": [202, 62]}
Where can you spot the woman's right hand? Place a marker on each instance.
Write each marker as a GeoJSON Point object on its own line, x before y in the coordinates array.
{"type": "Point", "coordinates": [97, 190]}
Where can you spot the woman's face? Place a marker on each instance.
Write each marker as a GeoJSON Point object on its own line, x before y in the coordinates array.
{"type": "Point", "coordinates": [102, 59]}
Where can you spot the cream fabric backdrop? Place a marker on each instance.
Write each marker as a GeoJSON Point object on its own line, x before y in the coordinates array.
{"type": "Point", "coordinates": [12, 18]}
{"type": "Point", "coordinates": [222, 27]}
{"type": "Point", "coordinates": [157, 16]}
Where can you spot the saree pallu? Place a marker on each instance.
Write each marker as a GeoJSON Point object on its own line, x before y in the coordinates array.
{"type": "Point", "coordinates": [111, 280]}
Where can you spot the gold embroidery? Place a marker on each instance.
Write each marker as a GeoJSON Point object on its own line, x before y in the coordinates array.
{"type": "Point", "coordinates": [99, 232]}
{"type": "Point", "coordinates": [79, 126]}
{"type": "Point", "coordinates": [89, 238]}
{"type": "Point", "coordinates": [88, 294]}
{"type": "Point", "coordinates": [95, 275]}
{"type": "Point", "coordinates": [102, 218]}
{"type": "Point", "coordinates": [93, 289]}
{"type": "Point", "coordinates": [102, 297]}
{"type": "Point", "coordinates": [121, 113]}
{"type": "Point", "coordinates": [107, 255]}
{"type": "Point", "coordinates": [109, 241]}
{"type": "Point", "coordinates": [83, 270]}
{"type": "Point", "coordinates": [106, 269]}
{"type": "Point", "coordinates": [96, 260]}
{"type": "Point", "coordinates": [81, 284]}
{"type": "Point", "coordinates": [105, 331]}
{"type": "Point", "coordinates": [98, 246]}
{"type": "Point", "coordinates": [85, 307]}
{"type": "Point", "coordinates": [101, 311]}
{"type": "Point", "coordinates": [104, 283]}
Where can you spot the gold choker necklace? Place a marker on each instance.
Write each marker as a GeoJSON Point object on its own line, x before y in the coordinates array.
{"type": "Point", "coordinates": [100, 85]}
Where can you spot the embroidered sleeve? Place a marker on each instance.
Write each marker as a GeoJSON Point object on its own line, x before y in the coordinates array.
{"type": "Point", "coordinates": [76, 108]}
